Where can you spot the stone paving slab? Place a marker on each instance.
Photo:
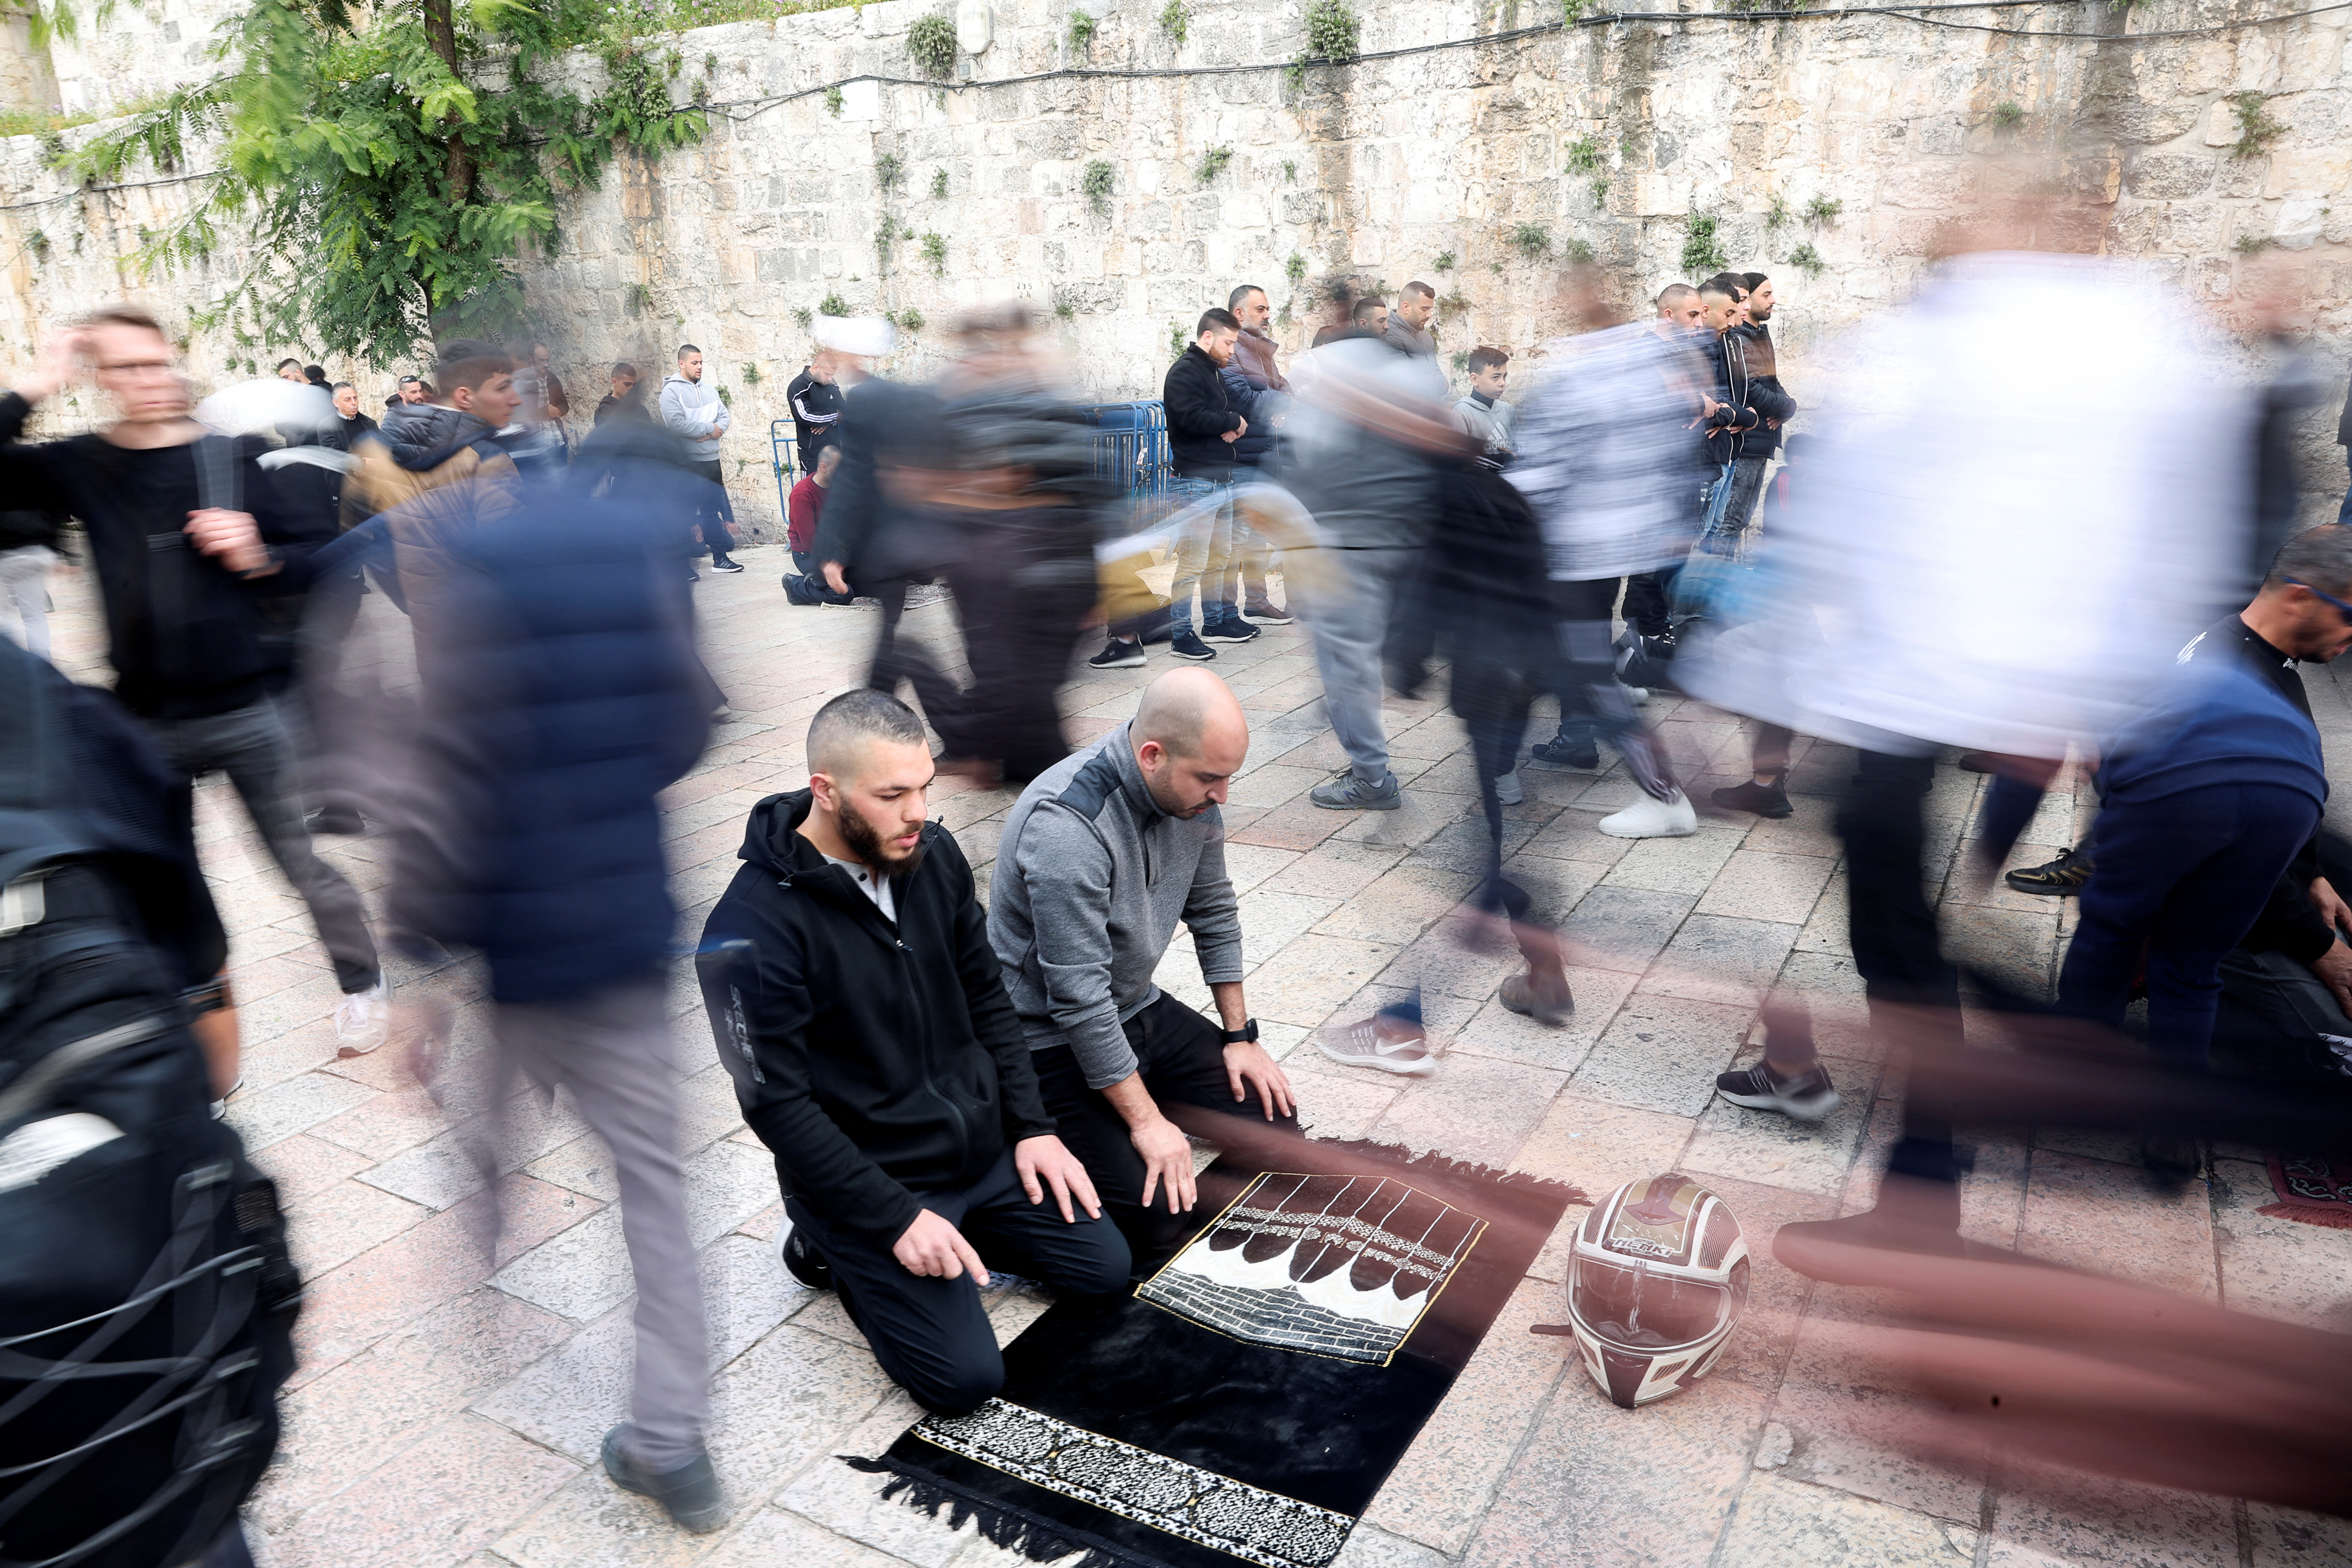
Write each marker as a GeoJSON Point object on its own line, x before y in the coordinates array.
{"type": "Point", "coordinates": [450, 1400]}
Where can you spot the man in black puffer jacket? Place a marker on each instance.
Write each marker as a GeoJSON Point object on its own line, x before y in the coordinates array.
{"type": "Point", "coordinates": [863, 1014]}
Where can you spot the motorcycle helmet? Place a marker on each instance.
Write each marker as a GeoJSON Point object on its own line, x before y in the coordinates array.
{"type": "Point", "coordinates": [1656, 1280]}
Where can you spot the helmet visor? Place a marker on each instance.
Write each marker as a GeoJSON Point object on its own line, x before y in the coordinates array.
{"type": "Point", "coordinates": [1630, 1306]}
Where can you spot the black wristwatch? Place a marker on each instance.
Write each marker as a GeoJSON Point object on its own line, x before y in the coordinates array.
{"type": "Point", "coordinates": [1246, 1034]}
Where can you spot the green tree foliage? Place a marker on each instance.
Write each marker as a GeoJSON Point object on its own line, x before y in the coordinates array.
{"type": "Point", "coordinates": [393, 169]}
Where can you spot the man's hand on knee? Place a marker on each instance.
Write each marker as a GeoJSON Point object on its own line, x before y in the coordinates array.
{"type": "Point", "coordinates": [1166, 1163]}
{"type": "Point", "coordinates": [1047, 1163]}
{"type": "Point", "coordinates": [1247, 1066]}
{"type": "Point", "coordinates": [2334, 968]}
{"type": "Point", "coordinates": [933, 1248]}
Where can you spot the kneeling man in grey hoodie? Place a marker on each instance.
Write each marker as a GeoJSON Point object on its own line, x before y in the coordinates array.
{"type": "Point", "coordinates": [1103, 854]}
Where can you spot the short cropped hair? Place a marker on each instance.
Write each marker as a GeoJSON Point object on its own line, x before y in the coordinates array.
{"type": "Point", "coordinates": [1486, 354]}
{"type": "Point", "coordinates": [1234, 301]}
{"type": "Point", "coordinates": [1421, 289]}
{"type": "Point", "coordinates": [1366, 306]}
{"type": "Point", "coordinates": [121, 316]}
{"type": "Point", "coordinates": [853, 719]}
{"type": "Point", "coordinates": [623, 367]}
{"type": "Point", "coordinates": [281, 365]}
{"type": "Point", "coordinates": [1673, 294]}
{"type": "Point", "coordinates": [2318, 558]}
{"type": "Point", "coordinates": [686, 349]}
{"type": "Point", "coordinates": [469, 362]}
{"type": "Point", "coordinates": [343, 386]}
{"type": "Point", "coordinates": [1215, 321]}
{"type": "Point", "coordinates": [1721, 288]}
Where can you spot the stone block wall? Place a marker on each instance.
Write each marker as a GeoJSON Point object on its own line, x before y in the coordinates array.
{"type": "Point", "coordinates": [1475, 168]}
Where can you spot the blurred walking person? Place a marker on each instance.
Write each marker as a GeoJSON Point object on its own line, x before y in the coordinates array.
{"type": "Point", "coordinates": [1606, 460]}
{"type": "Point", "coordinates": [1966, 435]}
{"type": "Point", "coordinates": [188, 535]}
{"type": "Point", "coordinates": [572, 677]}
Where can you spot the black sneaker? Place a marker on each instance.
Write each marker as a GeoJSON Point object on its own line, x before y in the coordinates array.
{"type": "Point", "coordinates": [801, 1262]}
{"type": "Point", "coordinates": [1229, 631]}
{"type": "Point", "coordinates": [1765, 800]}
{"type": "Point", "coordinates": [726, 563]}
{"type": "Point", "coordinates": [2057, 879]}
{"type": "Point", "coordinates": [1564, 754]}
{"type": "Point", "coordinates": [1118, 656]}
{"type": "Point", "coordinates": [1808, 1096]}
{"type": "Point", "coordinates": [689, 1494]}
{"type": "Point", "coordinates": [1266, 614]}
{"type": "Point", "coordinates": [1184, 644]}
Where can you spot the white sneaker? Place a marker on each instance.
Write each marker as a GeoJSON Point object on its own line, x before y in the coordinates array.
{"type": "Point", "coordinates": [1639, 696]}
{"type": "Point", "coordinates": [362, 1021]}
{"type": "Point", "coordinates": [1647, 818]}
{"type": "Point", "coordinates": [1364, 1044]}
{"type": "Point", "coordinates": [1506, 788]}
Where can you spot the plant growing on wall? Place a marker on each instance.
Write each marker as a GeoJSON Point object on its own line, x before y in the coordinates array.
{"type": "Point", "coordinates": [1333, 29]}
{"type": "Point", "coordinates": [392, 188]}
{"type": "Point", "coordinates": [2257, 128]}
{"type": "Point", "coordinates": [2252, 244]}
{"type": "Point", "coordinates": [1096, 183]}
{"type": "Point", "coordinates": [750, 375]}
{"type": "Point", "coordinates": [1531, 240]}
{"type": "Point", "coordinates": [888, 172]}
{"type": "Point", "coordinates": [885, 234]}
{"type": "Point", "coordinates": [1577, 250]}
{"type": "Point", "coordinates": [832, 305]}
{"type": "Point", "coordinates": [2008, 114]}
{"type": "Point", "coordinates": [1584, 156]}
{"type": "Point", "coordinates": [1176, 339]}
{"type": "Point", "coordinates": [832, 101]}
{"type": "Point", "coordinates": [1821, 210]}
{"type": "Point", "coordinates": [938, 184]}
{"type": "Point", "coordinates": [909, 321]}
{"type": "Point", "coordinates": [935, 251]}
{"type": "Point", "coordinates": [1082, 33]}
{"type": "Point", "coordinates": [1777, 215]}
{"type": "Point", "coordinates": [1600, 194]}
{"type": "Point", "coordinates": [1290, 171]}
{"type": "Point", "coordinates": [1296, 268]}
{"type": "Point", "coordinates": [803, 318]}
{"type": "Point", "coordinates": [931, 45]}
{"type": "Point", "coordinates": [1176, 20]}
{"type": "Point", "coordinates": [1806, 257]}
{"type": "Point", "coordinates": [1442, 261]}
{"type": "Point", "coordinates": [1212, 163]}
{"type": "Point", "coordinates": [1701, 253]}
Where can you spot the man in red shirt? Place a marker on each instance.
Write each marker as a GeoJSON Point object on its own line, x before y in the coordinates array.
{"type": "Point", "coordinates": [805, 584]}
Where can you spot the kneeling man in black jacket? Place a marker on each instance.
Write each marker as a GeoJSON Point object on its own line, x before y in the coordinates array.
{"type": "Point", "coordinates": [863, 1014]}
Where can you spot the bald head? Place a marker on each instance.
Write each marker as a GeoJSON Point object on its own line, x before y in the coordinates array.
{"type": "Point", "coordinates": [1190, 738]}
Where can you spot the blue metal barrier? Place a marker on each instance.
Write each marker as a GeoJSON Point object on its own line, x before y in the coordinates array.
{"type": "Point", "coordinates": [1130, 444]}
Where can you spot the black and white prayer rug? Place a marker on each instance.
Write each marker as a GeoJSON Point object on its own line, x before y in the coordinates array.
{"type": "Point", "coordinates": [1246, 1402]}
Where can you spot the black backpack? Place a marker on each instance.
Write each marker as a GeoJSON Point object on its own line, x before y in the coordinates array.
{"type": "Point", "coordinates": [146, 1299]}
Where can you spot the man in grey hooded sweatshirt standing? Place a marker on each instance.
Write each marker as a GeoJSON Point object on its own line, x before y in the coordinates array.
{"type": "Point", "coordinates": [695, 412]}
{"type": "Point", "coordinates": [1101, 856]}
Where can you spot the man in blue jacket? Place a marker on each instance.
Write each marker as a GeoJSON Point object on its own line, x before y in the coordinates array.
{"type": "Point", "coordinates": [570, 697]}
{"type": "Point", "coordinates": [2206, 804]}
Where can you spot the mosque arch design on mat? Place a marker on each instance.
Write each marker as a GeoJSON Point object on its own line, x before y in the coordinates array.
{"type": "Point", "coordinates": [1343, 1267]}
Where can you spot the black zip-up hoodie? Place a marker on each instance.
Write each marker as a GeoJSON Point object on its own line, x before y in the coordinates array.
{"type": "Point", "coordinates": [876, 1061]}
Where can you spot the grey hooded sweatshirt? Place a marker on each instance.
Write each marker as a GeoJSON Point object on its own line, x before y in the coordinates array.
{"type": "Point", "coordinates": [693, 410]}
{"type": "Point", "coordinates": [1091, 879]}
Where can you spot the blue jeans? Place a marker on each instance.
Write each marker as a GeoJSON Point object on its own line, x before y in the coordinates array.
{"type": "Point", "coordinates": [1204, 549]}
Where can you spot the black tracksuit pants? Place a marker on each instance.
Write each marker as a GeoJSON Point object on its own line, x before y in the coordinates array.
{"type": "Point", "coordinates": [933, 1335]}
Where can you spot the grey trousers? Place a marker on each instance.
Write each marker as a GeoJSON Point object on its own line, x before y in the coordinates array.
{"type": "Point", "coordinates": [1746, 490]}
{"type": "Point", "coordinates": [1348, 615]}
{"type": "Point", "coordinates": [612, 1050]}
{"type": "Point", "coordinates": [252, 747]}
